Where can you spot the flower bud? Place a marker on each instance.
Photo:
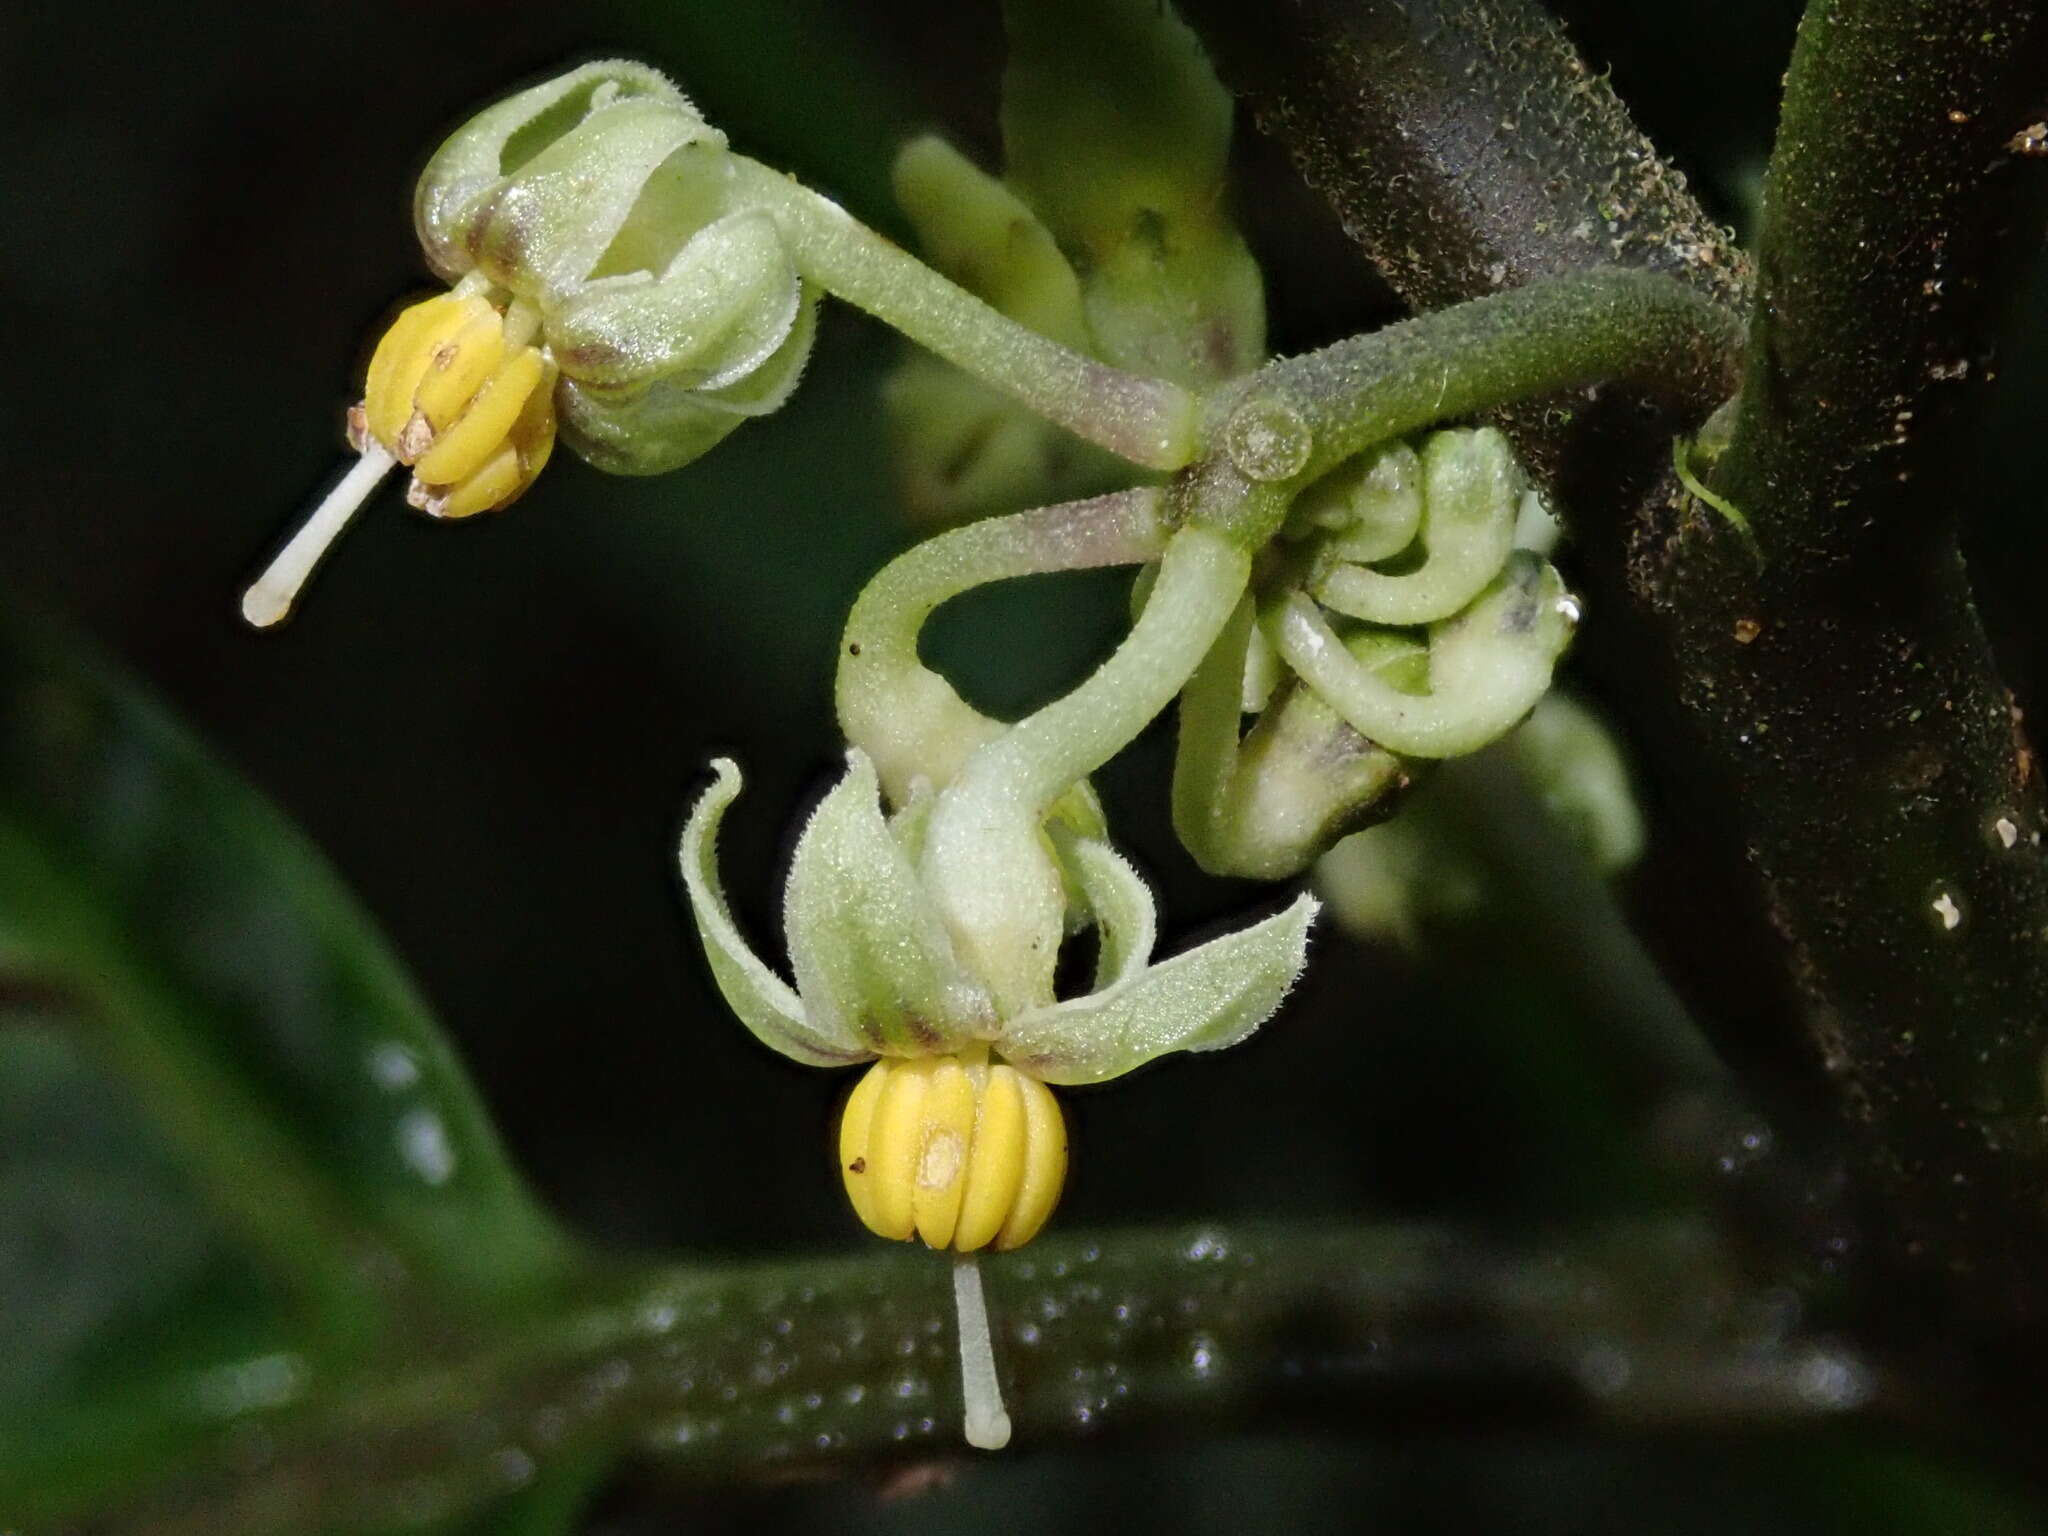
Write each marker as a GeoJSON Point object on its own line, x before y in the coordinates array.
{"type": "Point", "coordinates": [1471, 494]}
{"type": "Point", "coordinates": [956, 1150]}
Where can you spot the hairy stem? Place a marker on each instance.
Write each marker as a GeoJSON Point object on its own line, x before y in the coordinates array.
{"type": "Point", "coordinates": [1464, 144]}
{"type": "Point", "coordinates": [848, 1362]}
{"type": "Point", "coordinates": [1146, 420]}
{"type": "Point", "coordinates": [1579, 329]}
{"type": "Point", "coordinates": [1847, 693]}
{"type": "Point", "coordinates": [906, 717]}
{"type": "Point", "coordinates": [1201, 578]}
{"type": "Point", "coordinates": [1838, 717]}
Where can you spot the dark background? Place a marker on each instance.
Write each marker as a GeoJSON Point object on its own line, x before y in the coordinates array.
{"type": "Point", "coordinates": [493, 729]}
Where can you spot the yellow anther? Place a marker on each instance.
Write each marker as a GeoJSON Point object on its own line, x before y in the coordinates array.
{"type": "Point", "coordinates": [457, 366]}
{"type": "Point", "coordinates": [464, 400]}
{"type": "Point", "coordinates": [462, 448]}
{"type": "Point", "coordinates": [959, 1151]}
{"type": "Point", "coordinates": [455, 389]}
{"type": "Point", "coordinates": [400, 359]}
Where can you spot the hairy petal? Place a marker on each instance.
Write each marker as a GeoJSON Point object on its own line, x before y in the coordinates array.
{"type": "Point", "coordinates": [1211, 997]}
{"type": "Point", "coordinates": [764, 1002]}
{"type": "Point", "coordinates": [1120, 904]}
{"type": "Point", "coordinates": [871, 953]}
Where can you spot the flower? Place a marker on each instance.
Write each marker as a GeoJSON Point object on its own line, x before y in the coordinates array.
{"type": "Point", "coordinates": [952, 1135]}
{"type": "Point", "coordinates": [881, 972]}
{"type": "Point", "coordinates": [611, 276]}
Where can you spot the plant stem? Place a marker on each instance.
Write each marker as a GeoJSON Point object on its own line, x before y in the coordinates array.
{"type": "Point", "coordinates": [1883, 788]}
{"type": "Point", "coordinates": [985, 861]}
{"type": "Point", "coordinates": [834, 1363]}
{"type": "Point", "coordinates": [1838, 716]}
{"type": "Point", "coordinates": [1464, 144]}
{"type": "Point", "coordinates": [1578, 329]}
{"type": "Point", "coordinates": [906, 717]}
{"type": "Point", "coordinates": [1148, 421]}
{"type": "Point", "coordinates": [1201, 578]}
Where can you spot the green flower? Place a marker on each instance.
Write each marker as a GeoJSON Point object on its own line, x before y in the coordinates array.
{"type": "Point", "coordinates": [881, 971]}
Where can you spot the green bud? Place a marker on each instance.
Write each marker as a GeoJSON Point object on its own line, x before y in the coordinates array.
{"type": "Point", "coordinates": [1366, 510]}
{"type": "Point", "coordinates": [1471, 493]}
{"type": "Point", "coordinates": [1488, 664]}
{"type": "Point", "coordinates": [1264, 807]}
{"type": "Point", "coordinates": [1117, 134]}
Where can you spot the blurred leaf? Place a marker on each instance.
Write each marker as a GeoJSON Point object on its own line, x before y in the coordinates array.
{"type": "Point", "coordinates": [549, 1507]}
{"type": "Point", "coordinates": [233, 1147]}
{"type": "Point", "coordinates": [129, 1321]}
{"type": "Point", "coordinates": [229, 976]}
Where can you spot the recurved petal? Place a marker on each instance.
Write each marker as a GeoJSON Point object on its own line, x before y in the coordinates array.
{"type": "Point", "coordinates": [1211, 997]}
{"type": "Point", "coordinates": [1119, 903]}
{"type": "Point", "coordinates": [872, 955]}
{"type": "Point", "coordinates": [546, 227]}
{"type": "Point", "coordinates": [764, 1002]}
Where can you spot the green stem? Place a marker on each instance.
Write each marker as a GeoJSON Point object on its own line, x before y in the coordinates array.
{"type": "Point", "coordinates": [985, 859]}
{"type": "Point", "coordinates": [1201, 578]}
{"type": "Point", "coordinates": [823, 1365]}
{"type": "Point", "coordinates": [1149, 421]}
{"type": "Point", "coordinates": [906, 717]}
{"type": "Point", "coordinates": [1561, 333]}
{"type": "Point", "coordinates": [1840, 723]}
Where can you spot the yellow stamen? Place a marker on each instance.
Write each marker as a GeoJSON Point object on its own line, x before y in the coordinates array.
{"type": "Point", "coordinates": [458, 391]}
{"type": "Point", "coordinates": [958, 1151]}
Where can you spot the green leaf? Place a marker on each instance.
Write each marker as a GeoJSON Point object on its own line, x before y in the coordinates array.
{"type": "Point", "coordinates": [131, 1324]}
{"type": "Point", "coordinates": [226, 972]}
{"type": "Point", "coordinates": [233, 1147]}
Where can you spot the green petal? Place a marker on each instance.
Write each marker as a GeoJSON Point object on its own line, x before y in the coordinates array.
{"type": "Point", "coordinates": [466, 172]}
{"type": "Point", "coordinates": [1211, 997]}
{"type": "Point", "coordinates": [871, 953]}
{"type": "Point", "coordinates": [653, 428]}
{"type": "Point", "coordinates": [720, 310]}
{"type": "Point", "coordinates": [764, 1002]}
{"type": "Point", "coordinates": [1119, 902]}
{"type": "Point", "coordinates": [547, 226]}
